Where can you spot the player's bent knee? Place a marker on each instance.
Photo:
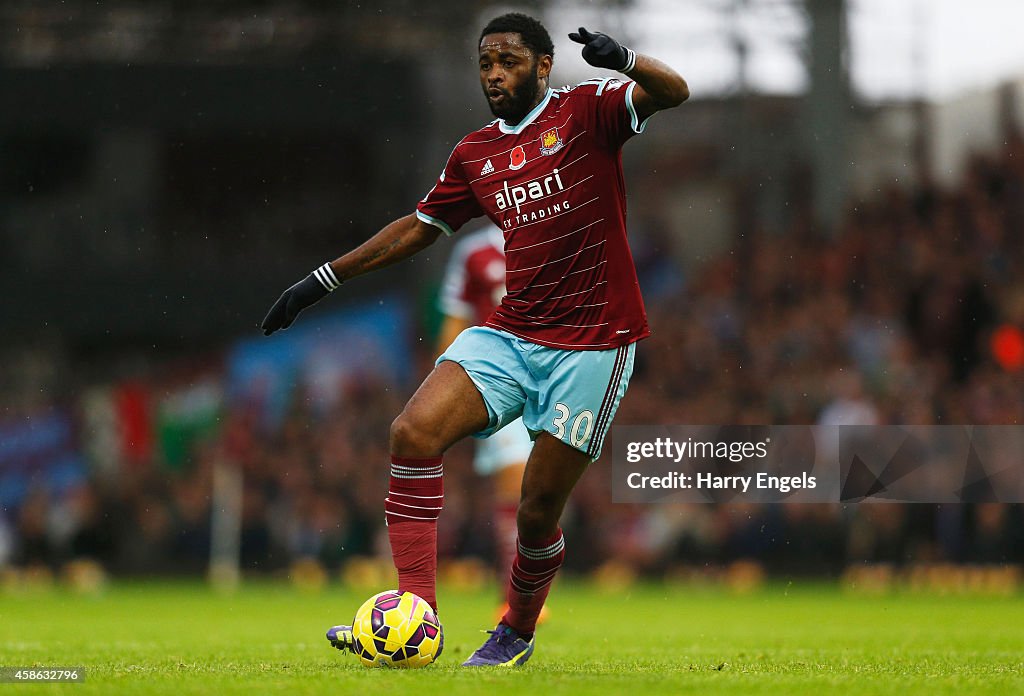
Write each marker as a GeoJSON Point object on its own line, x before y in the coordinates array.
{"type": "Point", "coordinates": [411, 439]}
{"type": "Point", "coordinates": [537, 517]}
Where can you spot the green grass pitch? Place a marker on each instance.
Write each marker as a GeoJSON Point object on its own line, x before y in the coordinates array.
{"type": "Point", "coordinates": [784, 639]}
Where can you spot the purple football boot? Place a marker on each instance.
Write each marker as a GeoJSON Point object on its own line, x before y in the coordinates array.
{"type": "Point", "coordinates": [341, 638]}
{"type": "Point", "coordinates": [505, 648]}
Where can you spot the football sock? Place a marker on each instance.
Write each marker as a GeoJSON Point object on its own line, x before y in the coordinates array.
{"type": "Point", "coordinates": [505, 535]}
{"type": "Point", "coordinates": [533, 569]}
{"type": "Point", "coordinates": [411, 509]}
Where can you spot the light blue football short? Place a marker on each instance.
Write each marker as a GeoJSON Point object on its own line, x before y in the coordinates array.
{"type": "Point", "coordinates": [572, 394]}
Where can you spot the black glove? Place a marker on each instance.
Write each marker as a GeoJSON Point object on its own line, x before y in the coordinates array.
{"type": "Point", "coordinates": [602, 51]}
{"type": "Point", "coordinates": [305, 293]}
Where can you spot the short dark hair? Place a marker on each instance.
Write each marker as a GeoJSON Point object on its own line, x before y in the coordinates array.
{"type": "Point", "coordinates": [534, 35]}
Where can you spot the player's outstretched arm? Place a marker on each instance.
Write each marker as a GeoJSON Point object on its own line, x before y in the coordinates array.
{"type": "Point", "coordinates": [398, 240]}
{"type": "Point", "coordinates": [657, 85]}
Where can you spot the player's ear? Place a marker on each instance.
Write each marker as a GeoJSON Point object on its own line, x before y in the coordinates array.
{"type": "Point", "coordinates": [544, 67]}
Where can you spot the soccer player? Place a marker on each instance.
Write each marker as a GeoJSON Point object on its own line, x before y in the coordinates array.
{"type": "Point", "coordinates": [473, 286]}
{"type": "Point", "coordinates": [558, 351]}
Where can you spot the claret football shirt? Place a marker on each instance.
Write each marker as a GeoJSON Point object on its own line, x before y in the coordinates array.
{"type": "Point", "coordinates": [553, 185]}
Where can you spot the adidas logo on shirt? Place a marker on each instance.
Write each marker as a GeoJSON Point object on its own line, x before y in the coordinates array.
{"type": "Point", "coordinates": [488, 169]}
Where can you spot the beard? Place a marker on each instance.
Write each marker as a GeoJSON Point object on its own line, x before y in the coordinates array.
{"type": "Point", "coordinates": [514, 107]}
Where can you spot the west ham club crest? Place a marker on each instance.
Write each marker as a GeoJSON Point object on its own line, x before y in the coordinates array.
{"type": "Point", "coordinates": [550, 142]}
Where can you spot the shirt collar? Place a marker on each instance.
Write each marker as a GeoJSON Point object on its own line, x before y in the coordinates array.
{"type": "Point", "coordinates": [530, 117]}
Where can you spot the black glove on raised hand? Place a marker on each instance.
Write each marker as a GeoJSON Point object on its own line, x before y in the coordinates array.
{"type": "Point", "coordinates": [305, 293]}
{"type": "Point", "coordinates": [602, 51]}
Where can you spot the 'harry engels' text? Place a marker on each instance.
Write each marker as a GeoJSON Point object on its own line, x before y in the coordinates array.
{"type": "Point", "coordinates": [707, 481]}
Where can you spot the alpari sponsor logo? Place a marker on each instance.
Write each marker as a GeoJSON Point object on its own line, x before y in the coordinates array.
{"type": "Point", "coordinates": [515, 196]}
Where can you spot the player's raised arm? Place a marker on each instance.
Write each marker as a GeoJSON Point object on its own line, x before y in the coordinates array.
{"type": "Point", "coordinates": [657, 85]}
{"type": "Point", "coordinates": [398, 240]}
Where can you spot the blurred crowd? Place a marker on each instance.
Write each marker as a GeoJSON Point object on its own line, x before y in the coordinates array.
{"type": "Point", "coordinates": [910, 313]}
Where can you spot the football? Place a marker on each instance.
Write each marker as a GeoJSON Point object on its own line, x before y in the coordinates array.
{"type": "Point", "coordinates": [397, 629]}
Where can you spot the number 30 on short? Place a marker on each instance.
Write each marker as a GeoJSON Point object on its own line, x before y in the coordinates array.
{"type": "Point", "coordinates": [582, 424]}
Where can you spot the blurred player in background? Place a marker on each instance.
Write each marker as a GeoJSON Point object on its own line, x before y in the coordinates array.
{"type": "Point", "coordinates": [559, 349]}
{"type": "Point", "coordinates": [473, 287]}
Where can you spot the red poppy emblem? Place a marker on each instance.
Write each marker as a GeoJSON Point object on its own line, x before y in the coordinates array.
{"type": "Point", "coordinates": [518, 157]}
